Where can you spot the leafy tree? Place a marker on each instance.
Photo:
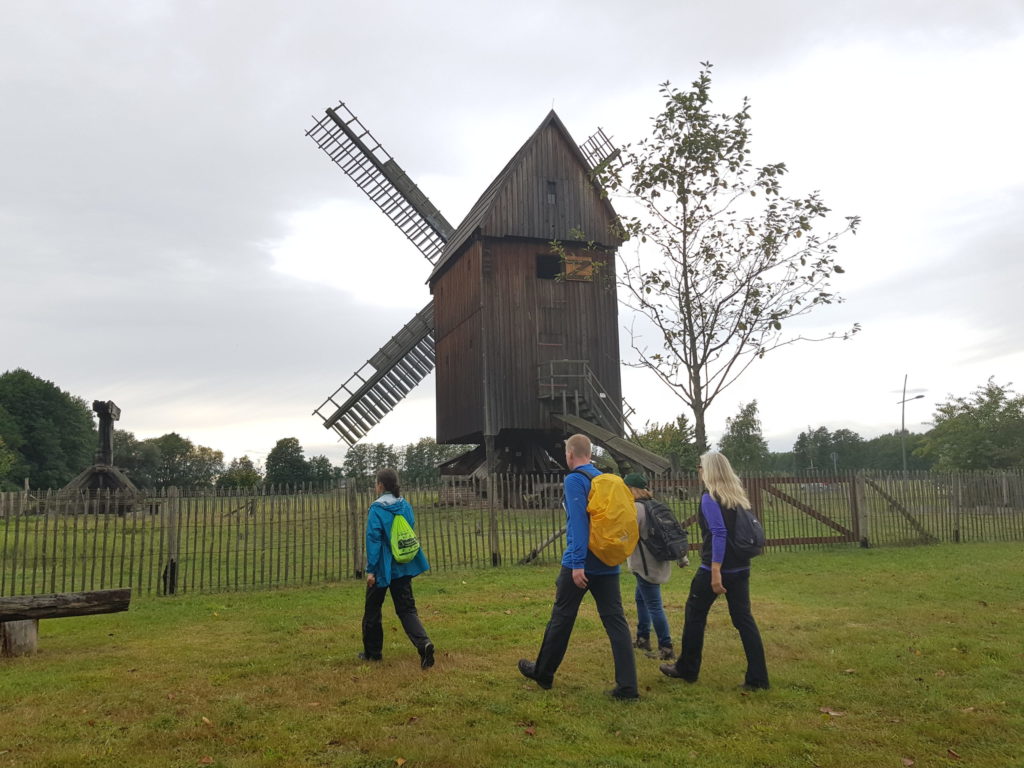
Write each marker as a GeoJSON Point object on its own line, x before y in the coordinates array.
{"type": "Point", "coordinates": [185, 464]}
{"type": "Point", "coordinates": [847, 450]}
{"type": "Point", "coordinates": [733, 258]}
{"type": "Point", "coordinates": [357, 464]}
{"type": "Point", "coordinates": [781, 461]}
{"type": "Point", "coordinates": [322, 471]}
{"type": "Point", "coordinates": [743, 441]}
{"type": "Point", "coordinates": [812, 449]}
{"type": "Point", "coordinates": [241, 473]}
{"type": "Point", "coordinates": [672, 440]}
{"type": "Point", "coordinates": [50, 431]}
{"type": "Point", "coordinates": [286, 463]}
{"type": "Point", "coordinates": [420, 460]}
{"type": "Point", "coordinates": [139, 459]}
{"type": "Point", "coordinates": [7, 459]}
{"type": "Point", "coordinates": [884, 452]}
{"type": "Point", "coordinates": [382, 455]}
{"type": "Point", "coordinates": [982, 431]}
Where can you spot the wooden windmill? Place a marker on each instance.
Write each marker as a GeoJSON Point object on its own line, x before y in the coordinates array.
{"type": "Point", "coordinates": [525, 341]}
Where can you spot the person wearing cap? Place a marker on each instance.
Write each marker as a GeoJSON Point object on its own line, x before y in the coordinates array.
{"type": "Point", "coordinates": [650, 575]}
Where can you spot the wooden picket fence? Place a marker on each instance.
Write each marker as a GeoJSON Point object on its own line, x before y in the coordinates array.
{"type": "Point", "coordinates": [201, 540]}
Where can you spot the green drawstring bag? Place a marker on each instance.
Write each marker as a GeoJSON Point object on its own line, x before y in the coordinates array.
{"type": "Point", "coordinates": [404, 544]}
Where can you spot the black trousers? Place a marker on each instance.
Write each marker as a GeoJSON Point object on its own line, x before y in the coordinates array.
{"type": "Point", "coordinates": [698, 604]}
{"type": "Point", "coordinates": [568, 597]}
{"type": "Point", "coordinates": [405, 607]}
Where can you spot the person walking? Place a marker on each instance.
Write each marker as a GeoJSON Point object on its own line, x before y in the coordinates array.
{"type": "Point", "coordinates": [583, 572]}
{"type": "Point", "coordinates": [722, 572]}
{"type": "Point", "coordinates": [650, 574]}
{"type": "Point", "coordinates": [384, 573]}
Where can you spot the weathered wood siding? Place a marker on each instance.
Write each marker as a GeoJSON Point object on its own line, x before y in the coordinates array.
{"type": "Point", "coordinates": [495, 320]}
{"type": "Point", "coordinates": [457, 346]}
{"type": "Point", "coordinates": [523, 206]}
{"type": "Point", "coordinates": [530, 321]}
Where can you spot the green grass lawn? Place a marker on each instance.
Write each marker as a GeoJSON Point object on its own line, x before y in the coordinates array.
{"type": "Point", "coordinates": [877, 657]}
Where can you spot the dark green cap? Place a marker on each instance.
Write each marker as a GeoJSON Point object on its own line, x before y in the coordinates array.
{"type": "Point", "coordinates": [635, 480]}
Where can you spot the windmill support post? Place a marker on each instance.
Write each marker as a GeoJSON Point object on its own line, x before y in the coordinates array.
{"type": "Point", "coordinates": [492, 500]}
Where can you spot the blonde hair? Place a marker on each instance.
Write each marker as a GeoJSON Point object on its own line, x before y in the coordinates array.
{"type": "Point", "coordinates": [722, 482]}
{"type": "Point", "coordinates": [580, 446]}
{"type": "Point", "coordinates": [641, 493]}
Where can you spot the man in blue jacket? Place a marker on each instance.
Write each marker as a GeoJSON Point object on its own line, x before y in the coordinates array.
{"type": "Point", "coordinates": [581, 572]}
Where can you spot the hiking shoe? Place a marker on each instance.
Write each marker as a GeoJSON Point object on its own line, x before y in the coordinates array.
{"type": "Point", "coordinates": [749, 687]}
{"type": "Point", "coordinates": [369, 656]}
{"type": "Point", "coordinates": [665, 653]}
{"type": "Point", "coordinates": [623, 694]}
{"type": "Point", "coordinates": [669, 670]}
{"type": "Point", "coordinates": [529, 669]}
{"type": "Point", "coordinates": [426, 656]}
{"type": "Point", "coordinates": [643, 643]}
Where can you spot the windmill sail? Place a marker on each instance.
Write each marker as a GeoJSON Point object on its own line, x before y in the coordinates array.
{"type": "Point", "coordinates": [354, 149]}
{"type": "Point", "coordinates": [384, 380]}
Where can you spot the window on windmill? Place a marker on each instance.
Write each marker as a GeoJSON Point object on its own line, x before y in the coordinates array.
{"type": "Point", "coordinates": [551, 193]}
{"type": "Point", "coordinates": [549, 266]}
{"type": "Point", "coordinates": [579, 267]}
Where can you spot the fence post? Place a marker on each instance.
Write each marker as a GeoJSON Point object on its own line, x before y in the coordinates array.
{"type": "Point", "coordinates": [353, 526]}
{"type": "Point", "coordinates": [956, 502]}
{"type": "Point", "coordinates": [863, 519]}
{"type": "Point", "coordinates": [170, 574]}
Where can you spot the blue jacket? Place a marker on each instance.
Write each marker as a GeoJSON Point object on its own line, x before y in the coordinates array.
{"type": "Point", "coordinates": [379, 561]}
{"type": "Point", "coordinates": [577, 525]}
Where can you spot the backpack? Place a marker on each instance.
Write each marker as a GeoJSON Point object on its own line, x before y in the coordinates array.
{"type": "Point", "coordinates": [612, 513]}
{"type": "Point", "coordinates": [404, 544]}
{"type": "Point", "coordinates": [663, 536]}
{"type": "Point", "coordinates": [747, 534]}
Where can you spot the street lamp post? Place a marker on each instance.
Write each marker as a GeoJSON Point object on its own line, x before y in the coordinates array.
{"type": "Point", "coordinates": [903, 430]}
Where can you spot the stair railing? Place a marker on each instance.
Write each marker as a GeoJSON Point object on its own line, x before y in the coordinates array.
{"type": "Point", "coordinates": [575, 384]}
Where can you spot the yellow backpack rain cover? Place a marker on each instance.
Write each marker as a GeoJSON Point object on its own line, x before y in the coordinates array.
{"type": "Point", "coordinates": [612, 512]}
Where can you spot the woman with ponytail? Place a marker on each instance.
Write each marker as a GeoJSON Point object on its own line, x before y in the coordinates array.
{"type": "Point", "coordinates": [383, 572]}
{"type": "Point", "coordinates": [723, 571]}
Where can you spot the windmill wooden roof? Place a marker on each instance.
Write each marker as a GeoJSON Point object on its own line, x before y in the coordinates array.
{"type": "Point", "coordinates": [516, 203]}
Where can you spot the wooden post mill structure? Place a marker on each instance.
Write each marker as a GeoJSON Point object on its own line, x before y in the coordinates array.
{"type": "Point", "coordinates": [524, 339]}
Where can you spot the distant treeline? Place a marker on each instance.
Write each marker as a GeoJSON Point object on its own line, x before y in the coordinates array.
{"type": "Point", "coordinates": [48, 436]}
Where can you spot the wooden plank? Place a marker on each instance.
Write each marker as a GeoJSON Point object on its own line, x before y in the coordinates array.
{"type": "Point", "coordinates": [769, 488]}
{"type": "Point", "coordinates": [64, 604]}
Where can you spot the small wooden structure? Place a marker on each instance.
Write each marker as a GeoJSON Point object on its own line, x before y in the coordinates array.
{"type": "Point", "coordinates": [19, 616]}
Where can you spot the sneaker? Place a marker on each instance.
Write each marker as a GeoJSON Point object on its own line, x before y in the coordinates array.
{"type": "Point", "coordinates": [643, 643]}
{"type": "Point", "coordinates": [369, 656]}
{"type": "Point", "coordinates": [665, 653]}
{"type": "Point", "coordinates": [426, 655]}
{"type": "Point", "coordinates": [529, 670]}
{"type": "Point", "coordinates": [623, 695]}
{"type": "Point", "coordinates": [669, 670]}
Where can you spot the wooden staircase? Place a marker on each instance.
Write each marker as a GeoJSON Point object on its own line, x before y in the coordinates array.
{"type": "Point", "coordinates": [582, 405]}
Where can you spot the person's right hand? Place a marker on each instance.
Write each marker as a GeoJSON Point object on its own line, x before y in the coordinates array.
{"type": "Point", "coordinates": [717, 587]}
{"type": "Point", "coordinates": [579, 578]}
{"type": "Point", "coordinates": [370, 579]}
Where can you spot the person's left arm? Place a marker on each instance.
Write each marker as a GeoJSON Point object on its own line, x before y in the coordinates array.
{"type": "Point", "coordinates": [577, 526]}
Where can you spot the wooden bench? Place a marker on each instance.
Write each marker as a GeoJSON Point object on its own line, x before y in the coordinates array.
{"type": "Point", "coordinates": [19, 616]}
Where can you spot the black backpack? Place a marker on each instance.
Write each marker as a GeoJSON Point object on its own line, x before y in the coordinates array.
{"type": "Point", "coordinates": [747, 534]}
{"type": "Point", "coordinates": [662, 535]}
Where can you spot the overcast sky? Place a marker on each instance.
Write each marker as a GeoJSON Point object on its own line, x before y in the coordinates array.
{"type": "Point", "coordinates": [172, 241]}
